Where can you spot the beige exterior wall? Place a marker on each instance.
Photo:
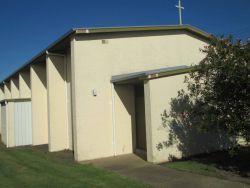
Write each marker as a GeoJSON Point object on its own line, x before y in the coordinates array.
{"type": "Point", "coordinates": [73, 99]}
{"type": "Point", "coordinates": [124, 109]}
{"type": "Point", "coordinates": [7, 93]}
{"type": "Point", "coordinates": [39, 104]}
{"type": "Point", "coordinates": [1, 93]}
{"type": "Point", "coordinates": [10, 124]}
{"type": "Point", "coordinates": [69, 98]}
{"type": "Point", "coordinates": [24, 84]}
{"type": "Point", "coordinates": [93, 64]}
{"type": "Point", "coordinates": [14, 88]}
{"type": "Point", "coordinates": [158, 94]}
{"type": "Point", "coordinates": [57, 102]}
{"type": "Point", "coordinates": [1, 98]}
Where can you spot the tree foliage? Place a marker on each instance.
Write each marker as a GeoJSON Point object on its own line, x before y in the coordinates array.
{"type": "Point", "coordinates": [218, 94]}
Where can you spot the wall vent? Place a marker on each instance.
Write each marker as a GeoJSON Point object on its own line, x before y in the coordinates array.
{"type": "Point", "coordinates": [105, 41]}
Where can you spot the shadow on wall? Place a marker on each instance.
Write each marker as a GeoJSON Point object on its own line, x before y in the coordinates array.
{"type": "Point", "coordinates": [185, 130]}
{"type": "Point", "coordinates": [27, 79]}
{"type": "Point", "coordinates": [125, 107]}
{"type": "Point", "coordinates": [40, 71]}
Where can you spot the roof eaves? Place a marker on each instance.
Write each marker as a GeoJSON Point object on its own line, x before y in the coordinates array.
{"type": "Point", "coordinates": [152, 74]}
{"type": "Point", "coordinates": [169, 73]}
{"type": "Point", "coordinates": [189, 28]}
{"type": "Point", "coordinates": [120, 78]}
{"type": "Point", "coordinates": [41, 53]}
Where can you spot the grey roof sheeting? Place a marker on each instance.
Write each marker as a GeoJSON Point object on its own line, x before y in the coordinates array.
{"type": "Point", "coordinates": [87, 31]}
{"type": "Point", "coordinates": [146, 74]}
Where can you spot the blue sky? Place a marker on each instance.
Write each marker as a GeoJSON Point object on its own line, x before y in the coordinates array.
{"type": "Point", "coordinates": [28, 26]}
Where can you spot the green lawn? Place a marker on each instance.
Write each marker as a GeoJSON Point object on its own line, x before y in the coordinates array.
{"type": "Point", "coordinates": [217, 164]}
{"type": "Point", "coordinates": [195, 167]}
{"type": "Point", "coordinates": [35, 167]}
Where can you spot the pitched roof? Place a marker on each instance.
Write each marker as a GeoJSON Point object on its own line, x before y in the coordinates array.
{"type": "Point", "coordinates": [150, 74]}
{"type": "Point", "coordinates": [88, 31]}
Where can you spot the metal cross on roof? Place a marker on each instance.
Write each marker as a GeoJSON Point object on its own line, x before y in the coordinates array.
{"type": "Point", "coordinates": [180, 9]}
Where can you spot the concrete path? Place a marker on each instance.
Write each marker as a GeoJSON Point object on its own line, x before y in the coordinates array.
{"type": "Point", "coordinates": [158, 176]}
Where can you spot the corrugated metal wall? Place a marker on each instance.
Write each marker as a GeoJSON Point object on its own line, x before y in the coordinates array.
{"type": "Point", "coordinates": [23, 123]}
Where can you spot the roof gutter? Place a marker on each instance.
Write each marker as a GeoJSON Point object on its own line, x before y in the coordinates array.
{"type": "Point", "coordinates": [144, 28]}
{"type": "Point", "coordinates": [153, 74]}
{"type": "Point", "coordinates": [168, 73]}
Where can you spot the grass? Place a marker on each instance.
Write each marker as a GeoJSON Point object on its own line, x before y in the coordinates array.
{"type": "Point", "coordinates": [218, 164]}
{"type": "Point", "coordinates": [35, 167]}
{"type": "Point", "coordinates": [195, 167]}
